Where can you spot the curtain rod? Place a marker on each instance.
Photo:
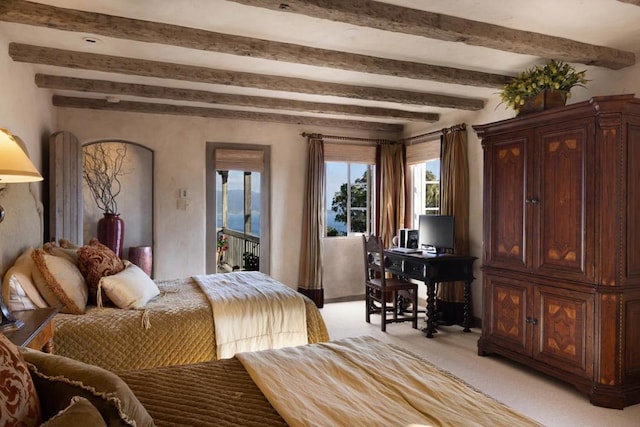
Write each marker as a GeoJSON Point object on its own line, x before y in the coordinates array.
{"type": "Point", "coordinates": [341, 138]}
{"type": "Point", "coordinates": [461, 126]}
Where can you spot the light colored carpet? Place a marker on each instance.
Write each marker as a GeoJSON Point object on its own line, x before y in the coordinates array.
{"type": "Point", "coordinates": [545, 399]}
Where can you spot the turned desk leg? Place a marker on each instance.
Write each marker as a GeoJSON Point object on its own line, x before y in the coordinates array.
{"type": "Point", "coordinates": [467, 306]}
{"type": "Point", "coordinates": [431, 309]}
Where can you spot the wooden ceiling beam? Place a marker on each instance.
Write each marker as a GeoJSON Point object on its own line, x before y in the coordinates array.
{"type": "Point", "coordinates": [634, 2]}
{"type": "Point", "coordinates": [389, 17]}
{"type": "Point", "coordinates": [132, 66]}
{"type": "Point", "coordinates": [23, 12]}
{"type": "Point", "coordinates": [160, 92]}
{"type": "Point", "coordinates": [218, 113]}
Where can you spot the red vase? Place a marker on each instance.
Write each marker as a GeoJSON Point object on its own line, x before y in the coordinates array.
{"type": "Point", "coordinates": [142, 257]}
{"type": "Point", "coordinates": [111, 232]}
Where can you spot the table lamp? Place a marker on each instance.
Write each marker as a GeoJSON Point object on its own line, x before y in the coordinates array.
{"type": "Point", "coordinates": [15, 166]}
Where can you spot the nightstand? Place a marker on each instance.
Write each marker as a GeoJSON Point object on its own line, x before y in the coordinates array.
{"type": "Point", "coordinates": [37, 332]}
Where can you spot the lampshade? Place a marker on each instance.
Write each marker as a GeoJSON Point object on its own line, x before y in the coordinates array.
{"type": "Point", "coordinates": [15, 166]}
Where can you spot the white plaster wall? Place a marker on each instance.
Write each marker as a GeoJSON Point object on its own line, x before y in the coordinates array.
{"type": "Point", "coordinates": [343, 268]}
{"type": "Point", "coordinates": [25, 110]}
{"type": "Point", "coordinates": [27, 113]}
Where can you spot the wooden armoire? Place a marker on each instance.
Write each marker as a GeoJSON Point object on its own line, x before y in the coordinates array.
{"type": "Point", "coordinates": [561, 261]}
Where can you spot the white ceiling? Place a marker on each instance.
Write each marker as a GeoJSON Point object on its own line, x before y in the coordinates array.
{"type": "Point", "coordinates": [607, 23]}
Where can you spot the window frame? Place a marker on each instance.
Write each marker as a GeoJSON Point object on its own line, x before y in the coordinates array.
{"type": "Point", "coordinates": [418, 156]}
{"type": "Point", "coordinates": [369, 209]}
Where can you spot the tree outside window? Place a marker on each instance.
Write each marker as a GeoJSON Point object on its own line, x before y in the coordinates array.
{"type": "Point", "coordinates": [348, 198]}
{"type": "Point", "coordinates": [426, 189]}
{"type": "Point", "coordinates": [432, 193]}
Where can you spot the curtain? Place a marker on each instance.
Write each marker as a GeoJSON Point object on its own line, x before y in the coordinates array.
{"type": "Point", "coordinates": [310, 275]}
{"type": "Point", "coordinates": [454, 191]}
{"type": "Point", "coordinates": [392, 190]}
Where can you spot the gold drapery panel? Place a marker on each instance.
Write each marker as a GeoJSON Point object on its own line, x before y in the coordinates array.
{"type": "Point", "coordinates": [313, 222]}
{"type": "Point", "coordinates": [454, 183]}
{"type": "Point", "coordinates": [392, 190]}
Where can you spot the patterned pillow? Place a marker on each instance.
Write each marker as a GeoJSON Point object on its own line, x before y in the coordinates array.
{"type": "Point", "coordinates": [96, 261]}
{"type": "Point", "coordinates": [80, 412]}
{"type": "Point", "coordinates": [59, 279]}
{"type": "Point", "coordinates": [19, 403]}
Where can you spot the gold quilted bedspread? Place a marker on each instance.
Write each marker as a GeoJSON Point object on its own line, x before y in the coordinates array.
{"type": "Point", "coordinates": [175, 328]}
{"type": "Point", "coordinates": [219, 394]}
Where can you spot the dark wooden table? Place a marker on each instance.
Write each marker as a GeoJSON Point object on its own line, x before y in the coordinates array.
{"type": "Point", "coordinates": [431, 269]}
{"type": "Point", "coordinates": [37, 331]}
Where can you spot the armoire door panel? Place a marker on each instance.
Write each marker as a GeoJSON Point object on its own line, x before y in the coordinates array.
{"type": "Point", "coordinates": [562, 210]}
{"type": "Point", "coordinates": [632, 310]}
{"type": "Point", "coordinates": [507, 244]}
{"type": "Point", "coordinates": [633, 205]}
{"type": "Point", "coordinates": [508, 313]}
{"type": "Point", "coordinates": [563, 334]}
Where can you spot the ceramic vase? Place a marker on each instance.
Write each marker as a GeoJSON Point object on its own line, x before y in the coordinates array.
{"type": "Point", "coordinates": [111, 232]}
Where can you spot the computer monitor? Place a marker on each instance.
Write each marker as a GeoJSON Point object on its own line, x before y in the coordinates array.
{"type": "Point", "coordinates": [436, 233]}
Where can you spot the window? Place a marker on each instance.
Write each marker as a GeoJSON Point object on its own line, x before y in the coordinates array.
{"type": "Point", "coordinates": [238, 201]}
{"type": "Point", "coordinates": [349, 198]}
{"type": "Point", "coordinates": [424, 164]}
{"type": "Point", "coordinates": [240, 191]}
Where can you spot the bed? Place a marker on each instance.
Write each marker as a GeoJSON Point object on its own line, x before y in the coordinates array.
{"type": "Point", "coordinates": [140, 323]}
{"type": "Point", "coordinates": [353, 381]}
{"type": "Point", "coordinates": [174, 328]}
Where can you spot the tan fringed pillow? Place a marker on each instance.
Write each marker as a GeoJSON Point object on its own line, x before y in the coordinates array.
{"type": "Point", "coordinates": [80, 413]}
{"type": "Point", "coordinates": [96, 261]}
{"type": "Point", "coordinates": [59, 280]}
{"type": "Point", "coordinates": [19, 403]}
{"type": "Point", "coordinates": [70, 254]}
{"type": "Point", "coordinates": [60, 379]}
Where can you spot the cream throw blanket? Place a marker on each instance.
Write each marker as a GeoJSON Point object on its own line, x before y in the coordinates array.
{"type": "Point", "coordinates": [365, 382]}
{"type": "Point", "coordinates": [252, 311]}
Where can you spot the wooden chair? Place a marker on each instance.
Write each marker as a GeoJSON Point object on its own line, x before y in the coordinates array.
{"type": "Point", "coordinates": [385, 291]}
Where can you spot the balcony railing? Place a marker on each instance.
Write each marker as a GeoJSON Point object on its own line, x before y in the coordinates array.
{"type": "Point", "coordinates": [243, 252]}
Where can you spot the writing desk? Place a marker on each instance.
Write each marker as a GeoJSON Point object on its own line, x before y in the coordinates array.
{"type": "Point", "coordinates": [431, 269]}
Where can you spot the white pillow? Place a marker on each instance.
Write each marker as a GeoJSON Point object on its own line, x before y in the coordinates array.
{"type": "Point", "coordinates": [131, 288]}
{"type": "Point", "coordinates": [18, 289]}
{"type": "Point", "coordinates": [58, 279]}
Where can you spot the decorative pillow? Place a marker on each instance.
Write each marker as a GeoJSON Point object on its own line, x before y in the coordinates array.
{"type": "Point", "coordinates": [62, 279]}
{"type": "Point", "coordinates": [70, 254]}
{"type": "Point", "coordinates": [96, 261]}
{"type": "Point", "coordinates": [60, 379]}
{"type": "Point", "coordinates": [18, 289]}
{"type": "Point", "coordinates": [131, 288]}
{"type": "Point", "coordinates": [15, 297]}
{"type": "Point", "coordinates": [80, 413]}
{"type": "Point", "coordinates": [19, 403]}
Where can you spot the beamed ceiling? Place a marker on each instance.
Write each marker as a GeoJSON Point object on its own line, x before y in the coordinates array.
{"type": "Point", "coordinates": [360, 64]}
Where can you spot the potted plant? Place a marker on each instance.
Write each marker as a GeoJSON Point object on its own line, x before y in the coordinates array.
{"type": "Point", "coordinates": [542, 87]}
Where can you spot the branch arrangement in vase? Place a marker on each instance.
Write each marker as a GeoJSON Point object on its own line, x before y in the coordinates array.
{"type": "Point", "coordinates": [102, 167]}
